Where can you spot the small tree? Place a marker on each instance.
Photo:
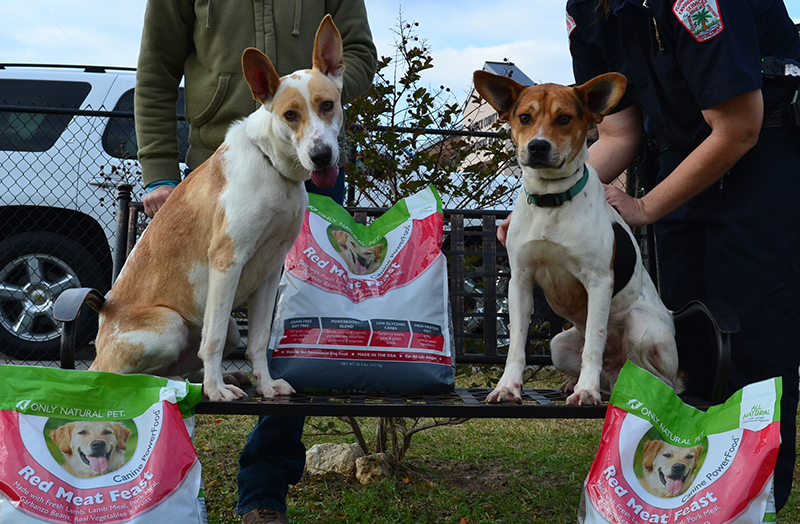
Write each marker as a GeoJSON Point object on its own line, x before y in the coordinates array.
{"type": "Point", "coordinates": [405, 135]}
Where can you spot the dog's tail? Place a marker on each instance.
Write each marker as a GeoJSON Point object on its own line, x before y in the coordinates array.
{"type": "Point", "coordinates": [680, 382]}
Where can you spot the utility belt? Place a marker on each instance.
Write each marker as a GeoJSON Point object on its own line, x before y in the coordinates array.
{"type": "Point", "coordinates": [785, 113]}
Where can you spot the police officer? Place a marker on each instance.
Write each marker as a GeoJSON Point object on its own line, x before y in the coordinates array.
{"type": "Point", "coordinates": [725, 203]}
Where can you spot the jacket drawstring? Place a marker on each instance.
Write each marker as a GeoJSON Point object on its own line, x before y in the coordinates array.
{"type": "Point", "coordinates": [208, 14]}
{"type": "Point", "coordinates": [298, 7]}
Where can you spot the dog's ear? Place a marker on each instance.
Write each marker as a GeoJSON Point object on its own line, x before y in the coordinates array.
{"type": "Point", "coordinates": [122, 435]}
{"type": "Point", "coordinates": [61, 436]}
{"type": "Point", "coordinates": [500, 91]}
{"type": "Point", "coordinates": [650, 452]}
{"type": "Point", "coordinates": [260, 75]}
{"type": "Point", "coordinates": [340, 236]}
{"type": "Point", "coordinates": [601, 94]}
{"type": "Point", "coordinates": [328, 51]}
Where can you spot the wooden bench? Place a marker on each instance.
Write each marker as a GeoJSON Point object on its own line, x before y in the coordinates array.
{"type": "Point", "coordinates": [478, 280]}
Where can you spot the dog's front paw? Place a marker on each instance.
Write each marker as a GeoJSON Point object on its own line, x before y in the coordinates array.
{"type": "Point", "coordinates": [226, 393]}
{"type": "Point", "coordinates": [274, 388]}
{"type": "Point", "coordinates": [511, 392]}
{"type": "Point", "coordinates": [584, 397]}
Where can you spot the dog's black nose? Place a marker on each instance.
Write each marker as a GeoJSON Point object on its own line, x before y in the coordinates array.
{"type": "Point", "coordinates": [678, 469]}
{"type": "Point", "coordinates": [321, 155]}
{"type": "Point", "coordinates": [539, 149]}
{"type": "Point", "coordinates": [98, 445]}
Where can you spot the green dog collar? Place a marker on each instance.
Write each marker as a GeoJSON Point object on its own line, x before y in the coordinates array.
{"type": "Point", "coordinates": [556, 199]}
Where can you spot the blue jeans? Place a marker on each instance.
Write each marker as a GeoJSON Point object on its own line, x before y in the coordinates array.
{"type": "Point", "coordinates": [274, 456]}
{"type": "Point", "coordinates": [272, 459]}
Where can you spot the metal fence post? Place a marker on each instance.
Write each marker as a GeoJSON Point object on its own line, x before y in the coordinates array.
{"type": "Point", "coordinates": [121, 240]}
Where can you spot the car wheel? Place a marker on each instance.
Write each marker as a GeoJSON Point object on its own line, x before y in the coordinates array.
{"type": "Point", "coordinates": [35, 267]}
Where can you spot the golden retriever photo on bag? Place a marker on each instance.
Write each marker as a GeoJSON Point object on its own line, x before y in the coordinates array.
{"type": "Point", "coordinates": [667, 470]}
{"type": "Point", "coordinates": [360, 260]}
{"type": "Point", "coordinates": [89, 448]}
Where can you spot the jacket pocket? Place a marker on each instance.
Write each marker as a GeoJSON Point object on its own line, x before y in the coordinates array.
{"type": "Point", "coordinates": [221, 92]}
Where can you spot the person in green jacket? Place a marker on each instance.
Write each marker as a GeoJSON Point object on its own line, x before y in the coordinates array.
{"type": "Point", "coordinates": [201, 41]}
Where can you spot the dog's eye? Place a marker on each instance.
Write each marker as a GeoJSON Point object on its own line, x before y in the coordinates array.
{"type": "Point", "coordinates": [667, 455]}
{"type": "Point", "coordinates": [82, 432]}
{"type": "Point", "coordinates": [564, 120]}
{"type": "Point", "coordinates": [327, 105]}
{"type": "Point", "coordinates": [290, 116]}
{"type": "Point", "coordinates": [525, 119]}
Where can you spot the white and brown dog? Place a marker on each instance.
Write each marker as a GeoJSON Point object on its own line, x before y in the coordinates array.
{"type": "Point", "coordinates": [222, 237]}
{"type": "Point", "coordinates": [567, 239]}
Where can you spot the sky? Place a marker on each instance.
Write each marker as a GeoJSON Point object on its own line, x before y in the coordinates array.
{"type": "Point", "coordinates": [462, 34]}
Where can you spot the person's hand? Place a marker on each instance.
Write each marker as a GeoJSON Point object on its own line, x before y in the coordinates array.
{"type": "Point", "coordinates": [502, 229]}
{"type": "Point", "coordinates": [631, 209]}
{"type": "Point", "coordinates": [155, 199]}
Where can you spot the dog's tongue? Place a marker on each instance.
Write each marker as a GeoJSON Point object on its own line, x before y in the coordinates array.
{"type": "Point", "coordinates": [325, 178]}
{"type": "Point", "coordinates": [99, 464]}
{"type": "Point", "coordinates": [674, 486]}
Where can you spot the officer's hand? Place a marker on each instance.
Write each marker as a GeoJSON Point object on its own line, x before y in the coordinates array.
{"type": "Point", "coordinates": [630, 209]}
{"type": "Point", "coordinates": [155, 199]}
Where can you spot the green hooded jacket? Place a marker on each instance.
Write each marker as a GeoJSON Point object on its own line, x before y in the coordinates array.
{"type": "Point", "coordinates": [203, 41]}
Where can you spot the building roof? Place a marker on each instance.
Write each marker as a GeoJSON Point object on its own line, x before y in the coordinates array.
{"type": "Point", "coordinates": [508, 69]}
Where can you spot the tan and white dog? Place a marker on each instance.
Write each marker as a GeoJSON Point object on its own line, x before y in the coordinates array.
{"type": "Point", "coordinates": [567, 239]}
{"type": "Point", "coordinates": [360, 260]}
{"type": "Point", "coordinates": [669, 470]}
{"type": "Point", "coordinates": [91, 448]}
{"type": "Point", "coordinates": [222, 236]}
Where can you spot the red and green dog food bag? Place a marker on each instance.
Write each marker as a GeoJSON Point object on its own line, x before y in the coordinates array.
{"type": "Point", "coordinates": [365, 308]}
{"type": "Point", "coordinates": [86, 446]}
{"type": "Point", "coordinates": [663, 461]}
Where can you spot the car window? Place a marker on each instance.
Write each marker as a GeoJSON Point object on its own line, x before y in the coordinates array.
{"type": "Point", "coordinates": [29, 131]}
{"type": "Point", "coordinates": [119, 138]}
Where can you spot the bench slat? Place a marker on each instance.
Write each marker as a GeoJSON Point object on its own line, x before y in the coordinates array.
{"type": "Point", "coordinates": [461, 403]}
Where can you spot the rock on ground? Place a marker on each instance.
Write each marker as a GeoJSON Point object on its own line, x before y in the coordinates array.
{"type": "Point", "coordinates": [336, 458]}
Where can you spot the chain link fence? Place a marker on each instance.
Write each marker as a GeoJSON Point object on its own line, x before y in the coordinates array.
{"type": "Point", "coordinates": [57, 216]}
{"type": "Point", "coordinates": [59, 169]}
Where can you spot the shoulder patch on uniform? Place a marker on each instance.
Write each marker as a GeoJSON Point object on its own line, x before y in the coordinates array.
{"type": "Point", "coordinates": [700, 17]}
{"type": "Point", "coordinates": [570, 24]}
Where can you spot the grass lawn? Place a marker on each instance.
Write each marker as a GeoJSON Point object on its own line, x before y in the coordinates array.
{"type": "Point", "coordinates": [480, 472]}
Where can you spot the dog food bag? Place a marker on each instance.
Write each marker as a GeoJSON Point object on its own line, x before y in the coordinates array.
{"type": "Point", "coordinates": [662, 461]}
{"type": "Point", "coordinates": [365, 308]}
{"type": "Point", "coordinates": [85, 446]}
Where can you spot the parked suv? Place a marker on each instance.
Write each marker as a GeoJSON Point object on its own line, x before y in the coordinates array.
{"type": "Point", "coordinates": [66, 140]}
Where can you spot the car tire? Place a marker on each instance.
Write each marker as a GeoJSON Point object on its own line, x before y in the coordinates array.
{"type": "Point", "coordinates": [35, 267]}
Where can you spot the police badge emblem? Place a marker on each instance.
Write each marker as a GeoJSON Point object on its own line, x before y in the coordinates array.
{"type": "Point", "coordinates": [700, 17]}
{"type": "Point", "coordinates": [570, 24]}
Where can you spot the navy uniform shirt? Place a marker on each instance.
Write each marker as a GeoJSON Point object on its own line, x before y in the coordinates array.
{"type": "Point", "coordinates": [682, 56]}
